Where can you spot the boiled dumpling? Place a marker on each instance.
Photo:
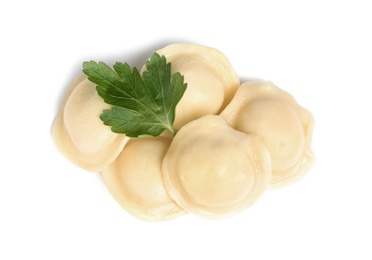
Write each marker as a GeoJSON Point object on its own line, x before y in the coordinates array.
{"type": "Point", "coordinates": [135, 180]}
{"type": "Point", "coordinates": [262, 109]}
{"type": "Point", "coordinates": [210, 77]}
{"type": "Point", "coordinates": [214, 171]}
{"type": "Point", "coordinates": [79, 133]}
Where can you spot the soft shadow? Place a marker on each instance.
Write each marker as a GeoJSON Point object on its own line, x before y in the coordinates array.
{"type": "Point", "coordinates": [137, 57]}
{"type": "Point", "coordinates": [134, 57]}
{"type": "Point", "coordinates": [245, 79]}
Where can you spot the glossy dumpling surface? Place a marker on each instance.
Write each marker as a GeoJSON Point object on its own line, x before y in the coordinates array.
{"type": "Point", "coordinates": [213, 170]}
{"type": "Point", "coordinates": [135, 180]}
{"type": "Point", "coordinates": [79, 133]}
{"type": "Point", "coordinates": [262, 109]}
{"type": "Point", "coordinates": [210, 77]}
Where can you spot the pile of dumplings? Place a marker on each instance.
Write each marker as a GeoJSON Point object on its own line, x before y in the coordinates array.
{"type": "Point", "coordinates": [234, 141]}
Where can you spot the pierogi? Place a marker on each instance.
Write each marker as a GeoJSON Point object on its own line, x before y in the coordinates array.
{"type": "Point", "coordinates": [262, 109]}
{"type": "Point", "coordinates": [214, 171]}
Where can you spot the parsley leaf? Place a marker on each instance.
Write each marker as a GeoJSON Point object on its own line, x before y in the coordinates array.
{"type": "Point", "coordinates": [141, 105]}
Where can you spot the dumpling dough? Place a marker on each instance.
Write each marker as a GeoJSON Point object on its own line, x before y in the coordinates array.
{"type": "Point", "coordinates": [262, 109]}
{"type": "Point", "coordinates": [214, 171]}
{"type": "Point", "coordinates": [79, 133]}
{"type": "Point", "coordinates": [210, 77]}
{"type": "Point", "coordinates": [135, 180]}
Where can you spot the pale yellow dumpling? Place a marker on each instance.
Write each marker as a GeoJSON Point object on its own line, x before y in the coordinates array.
{"type": "Point", "coordinates": [210, 77]}
{"type": "Point", "coordinates": [214, 171]}
{"type": "Point", "coordinates": [80, 134]}
{"type": "Point", "coordinates": [262, 109]}
{"type": "Point", "coordinates": [135, 180]}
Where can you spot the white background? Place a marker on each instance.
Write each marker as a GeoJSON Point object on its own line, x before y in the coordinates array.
{"type": "Point", "coordinates": [319, 51]}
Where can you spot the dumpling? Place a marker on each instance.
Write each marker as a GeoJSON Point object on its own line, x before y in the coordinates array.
{"type": "Point", "coordinates": [214, 171]}
{"type": "Point", "coordinates": [210, 77]}
{"type": "Point", "coordinates": [262, 109]}
{"type": "Point", "coordinates": [135, 180]}
{"type": "Point", "coordinates": [79, 133]}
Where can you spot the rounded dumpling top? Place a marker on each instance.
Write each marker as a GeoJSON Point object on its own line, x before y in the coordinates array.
{"type": "Point", "coordinates": [214, 171]}
{"type": "Point", "coordinates": [79, 133]}
{"type": "Point", "coordinates": [210, 77]}
{"type": "Point", "coordinates": [135, 180]}
{"type": "Point", "coordinates": [262, 109]}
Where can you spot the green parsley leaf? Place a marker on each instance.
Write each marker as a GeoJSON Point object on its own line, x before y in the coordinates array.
{"type": "Point", "coordinates": [140, 105]}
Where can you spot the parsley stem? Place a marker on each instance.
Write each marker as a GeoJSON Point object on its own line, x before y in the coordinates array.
{"type": "Point", "coordinates": [172, 131]}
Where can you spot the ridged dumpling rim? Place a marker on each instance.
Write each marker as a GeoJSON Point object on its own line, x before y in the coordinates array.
{"type": "Point", "coordinates": [216, 61]}
{"type": "Point", "coordinates": [258, 90]}
{"type": "Point", "coordinates": [65, 145]}
{"type": "Point", "coordinates": [113, 179]}
{"type": "Point", "coordinates": [258, 154]}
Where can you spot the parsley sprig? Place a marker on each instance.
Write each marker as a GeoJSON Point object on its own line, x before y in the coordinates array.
{"type": "Point", "coordinates": [142, 105]}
